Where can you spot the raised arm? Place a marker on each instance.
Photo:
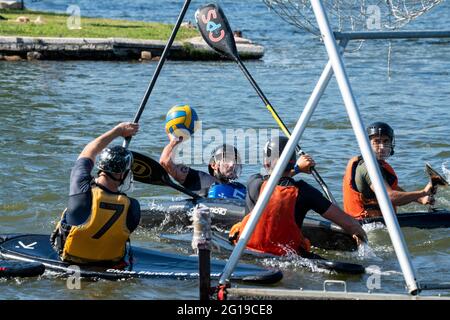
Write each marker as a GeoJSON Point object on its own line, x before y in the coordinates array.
{"type": "Point", "coordinates": [124, 129]}
{"type": "Point", "coordinates": [178, 171]}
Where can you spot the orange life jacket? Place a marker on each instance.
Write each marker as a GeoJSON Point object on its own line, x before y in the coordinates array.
{"type": "Point", "coordinates": [276, 231]}
{"type": "Point", "coordinates": [355, 204]}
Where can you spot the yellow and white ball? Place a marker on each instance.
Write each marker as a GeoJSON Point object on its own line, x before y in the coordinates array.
{"type": "Point", "coordinates": [181, 121]}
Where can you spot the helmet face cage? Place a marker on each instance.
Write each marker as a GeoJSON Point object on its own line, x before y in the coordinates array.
{"type": "Point", "coordinates": [225, 156]}
{"type": "Point", "coordinates": [116, 159]}
{"type": "Point", "coordinates": [379, 129]}
{"type": "Point", "coordinates": [272, 151]}
{"type": "Point", "coordinates": [127, 184]}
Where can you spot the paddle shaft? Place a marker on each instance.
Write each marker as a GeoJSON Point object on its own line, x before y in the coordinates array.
{"type": "Point", "coordinates": [159, 67]}
{"type": "Point", "coordinates": [204, 260]}
{"type": "Point", "coordinates": [282, 125]}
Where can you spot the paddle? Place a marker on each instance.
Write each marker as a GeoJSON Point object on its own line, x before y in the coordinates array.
{"type": "Point", "coordinates": [436, 180]}
{"type": "Point", "coordinates": [435, 177]}
{"type": "Point", "coordinates": [147, 170]}
{"type": "Point", "coordinates": [216, 31]}
{"type": "Point", "coordinates": [159, 67]}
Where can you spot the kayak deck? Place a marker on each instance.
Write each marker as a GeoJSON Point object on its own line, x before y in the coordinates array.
{"type": "Point", "coordinates": [423, 220]}
{"type": "Point", "coordinates": [13, 269]}
{"type": "Point", "coordinates": [146, 263]}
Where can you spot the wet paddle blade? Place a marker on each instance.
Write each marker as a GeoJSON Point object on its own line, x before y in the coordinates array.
{"type": "Point", "coordinates": [147, 170]}
{"type": "Point", "coordinates": [216, 31]}
{"type": "Point", "coordinates": [341, 267]}
{"type": "Point", "coordinates": [436, 178]}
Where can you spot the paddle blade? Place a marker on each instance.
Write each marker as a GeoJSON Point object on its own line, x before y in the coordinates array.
{"type": "Point", "coordinates": [147, 170]}
{"type": "Point", "coordinates": [436, 178]}
{"type": "Point", "coordinates": [216, 31]}
{"type": "Point", "coordinates": [341, 267]}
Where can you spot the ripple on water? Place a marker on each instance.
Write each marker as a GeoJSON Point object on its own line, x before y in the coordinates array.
{"type": "Point", "coordinates": [13, 207]}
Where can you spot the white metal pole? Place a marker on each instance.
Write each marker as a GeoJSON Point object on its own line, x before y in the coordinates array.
{"type": "Point", "coordinates": [265, 196]}
{"type": "Point", "coordinates": [374, 172]}
{"type": "Point", "coordinates": [272, 182]}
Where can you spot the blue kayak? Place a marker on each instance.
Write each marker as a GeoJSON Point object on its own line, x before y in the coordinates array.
{"type": "Point", "coordinates": [146, 263]}
{"type": "Point", "coordinates": [19, 269]}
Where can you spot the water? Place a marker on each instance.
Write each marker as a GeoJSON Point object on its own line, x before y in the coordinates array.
{"type": "Point", "coordinates": [49, 110]}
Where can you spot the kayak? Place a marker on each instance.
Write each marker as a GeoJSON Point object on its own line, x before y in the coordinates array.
{"type": "Point", "coordinates": [14, 269]}
{"type": "Point", "coordinates": [146, 263]}
{"type": "Point", "coordinates": [424, 220]}
{"type": "Point", "coordinates": [226, 212]}
{"type": "Point", "coordinates": [220, 243]}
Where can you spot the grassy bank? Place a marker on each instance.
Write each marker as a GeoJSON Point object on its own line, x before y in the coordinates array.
{"type": "Point", "coordinates": [55, 25]}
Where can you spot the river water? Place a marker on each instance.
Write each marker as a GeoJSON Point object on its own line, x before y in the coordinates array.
{"type": "Point", "coordinates": [50, 109]}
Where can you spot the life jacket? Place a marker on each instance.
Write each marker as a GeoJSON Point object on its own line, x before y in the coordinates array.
{"type": "Point", "coordinates": [355, 204]}
{"type": "Point", "coordinates": [232, 190]}
{"type": "Point", "coordinates": [104, 235]}
{"type": "Point", "coordinates": [277, 231]}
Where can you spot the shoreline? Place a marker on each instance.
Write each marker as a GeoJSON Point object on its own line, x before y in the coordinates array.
{"type": "Point", "coordinates": [36, 35]}
{"type": "Point", "coordinates": [49, 48]}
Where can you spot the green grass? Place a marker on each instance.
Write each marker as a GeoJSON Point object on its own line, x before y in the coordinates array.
{"type": "Point", "coordinates": [55, 25]}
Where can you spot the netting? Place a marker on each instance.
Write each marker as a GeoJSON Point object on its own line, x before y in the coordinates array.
{"type": "Point", "coordinates": [353, 15]}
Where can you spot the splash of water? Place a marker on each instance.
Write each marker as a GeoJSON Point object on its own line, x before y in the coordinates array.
{"type": "Point", "coordinates": [153, 205]}
{"type": "Point", "coordinates": [366, 252]}
{"type": "Point", "coordinates": [374, 269]}
{"type": "Point", "coordinates": [368, 227]}
{"type": "Point", "coordinates": [445, 170]}
{"type": "Point", "coordinates": [292, 261]}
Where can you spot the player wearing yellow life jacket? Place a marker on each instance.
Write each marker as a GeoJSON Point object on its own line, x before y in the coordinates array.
{"type": "Point", "coordinates": [99, 218]}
